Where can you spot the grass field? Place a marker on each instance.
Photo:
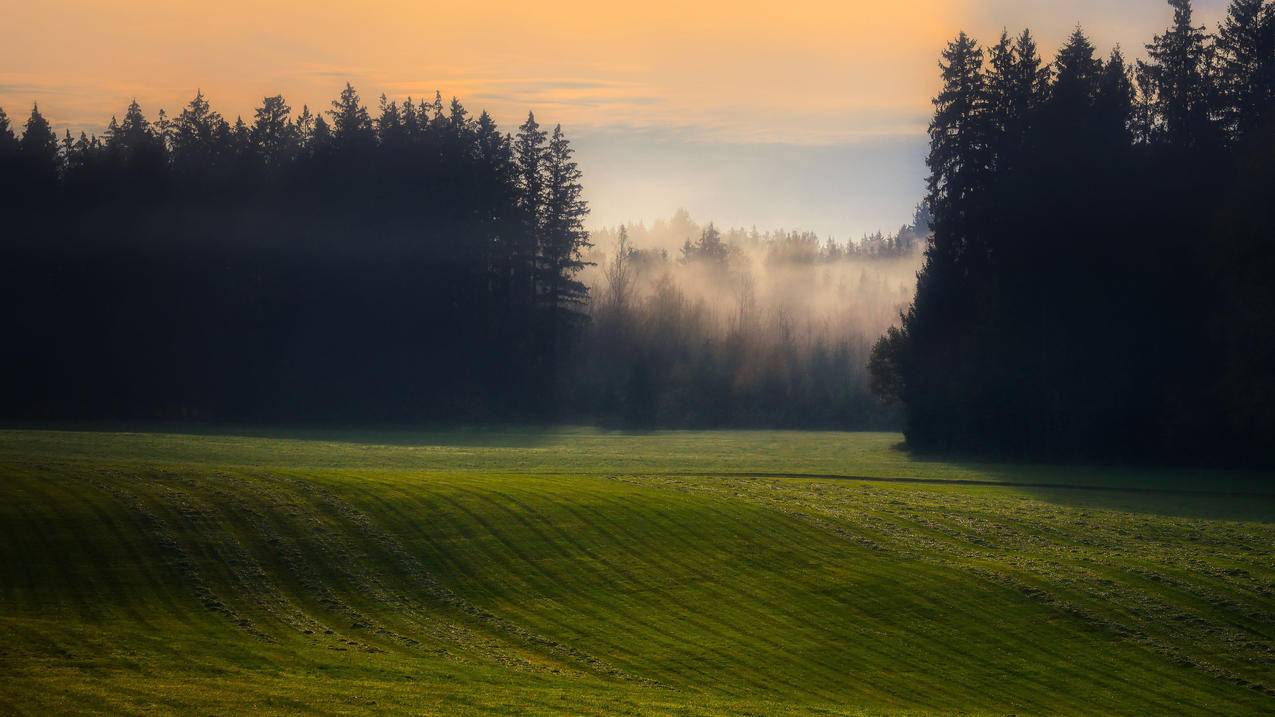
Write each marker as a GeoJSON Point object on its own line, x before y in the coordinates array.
{"type": "Point", "coordinates": [587, 572]}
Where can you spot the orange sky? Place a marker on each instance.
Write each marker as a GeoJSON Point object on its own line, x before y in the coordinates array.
{"type": "Point", "coordinates": [794, 72]}
{"type": "Point", "coordinates": [787, 71]}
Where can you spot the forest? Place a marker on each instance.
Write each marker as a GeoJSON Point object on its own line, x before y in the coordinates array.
{"type": "Point", "coordinates": [323, 266]}
{"type": "Point", "coordinates": [1100, 281]}
{"type": "Point", "coordinates": [418, 265]}
{"type": "Point", "coordinates": [1087, 277]}
{"type": "Point", "coordinates": [696, 326]}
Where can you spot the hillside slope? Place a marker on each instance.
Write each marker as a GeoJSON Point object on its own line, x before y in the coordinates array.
{"type": "Point", "coordinates": [536, 573]}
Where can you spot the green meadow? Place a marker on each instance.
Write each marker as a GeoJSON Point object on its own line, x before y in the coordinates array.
{"type": "Point", "coordinates": [580, 571]}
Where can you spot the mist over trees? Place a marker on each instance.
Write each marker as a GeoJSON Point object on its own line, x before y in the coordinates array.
{"type": "Point", "coordinates": [696, 326]}
{"type": "Point", "coordinates": [1100, 280]}
{"type": "Point", "coordinates": [410, 264]}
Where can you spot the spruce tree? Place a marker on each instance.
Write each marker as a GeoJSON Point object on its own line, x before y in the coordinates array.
{"type": "Point", "coordinates": [163, 130]}
{"type": "Point", "coordinates": [1246, 65]}
{"type": "Point", "coordinates": [10, 170]}
{"type": "Point", "coordinates": [565, 237]}
{"type": "Point", "coordinates": [1077, 74]}
{"type": "Point", "coordinates": [1032, 77]}
{"type": "Point", "coordinates": [389, 124]}
{"type": "Point", "coordinates": [1114, 106]}
{"type": "Point", "coordinates": [39, 147]}
{"type": "Point", "coordinates": [274, 136]}
{"type": "Point", "coordinates": [8, 140]}
{"type": "Point", "coordinates": [304, 126]}
{"type": "Point", "coordinates": [529, 173]}
{"type": "Point", "coordinates": [1016, 86]}
{"type": "Point", "coordinates": [352, 129]}
{"type": "Point", "coordinates": [321, 137]}
{"type": "Point", "coordinates": [1002, 84]}
{"type": "Point", "coordinates": [1178, 82]}
{"type": "Point", "coordinates": [411, 120]}
{"type": "Point", "coordinates": [134, 140]}
{"type": "Point", "coordinates": [959, 156]}
{"type": "Point", "coordinates": [196, 141]}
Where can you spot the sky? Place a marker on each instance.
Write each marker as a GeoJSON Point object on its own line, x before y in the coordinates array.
{"type": "Point", "coordinates": [797, 114]}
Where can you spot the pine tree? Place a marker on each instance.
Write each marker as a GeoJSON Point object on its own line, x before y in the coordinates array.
{"type": "Point", "coordinates": [1016, 86]}
{"type": "Point", "coordinates": [197, 133]}
{"type": "Point", "coordinates": [565, 237]}
{"type": "Point", "coordinates": [1032, 78]}
{"type": "Point", "coordinates": [1246, 65]}
{"type": "Point", "coordinates": [352, 129]}
{"type": "Point", "coordinates": [10, 164]}
{"type": "Point", "coordinates": [529, 158]}
{"type": "Point", "coordinates": [163, 130]}
{"type": "Point", "coordinates": [8, 140]}
{"type": "Point", "coordinates": [274, 137]}
{"type": "Point", "coordinates": [134, 140]}
{"type": "Point", "coordinates": [1114, 107]}
{"type": "Point", "coordinates": [436, 117]}
{"type": "Point", "coordinates": [494, 154]}
{"type": "Point", "coordinates": [959, 156]}
{"type": "Point", "coordinates": [1177, 81]}
{"type": "Point", "coordinates": [321, 138]}
{"type": "Point", "coordinates": [411, 120]}
{"type": "Point", "coordinates": [304, 126]}
{"type": "Point", "coordinates": [39, 147]}
{"type": "Point", "coordinates": [1002, 84]}
{"type": "Point", "coordinates": [389, 124]}
{"type": "Point", "coordinates": [458, 118]}
{"type": "Point", "coordinates": [82, 154]}
{"type": "Point", "coordinates": [241, 141]}
{"type": "Point", "coordinates": [1077, 73]}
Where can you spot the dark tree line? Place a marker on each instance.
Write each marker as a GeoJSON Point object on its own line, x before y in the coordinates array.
{"type": "Point", "coordinates": [412, 265]}
{"type": "Point", "coordinates": [1101, 280]}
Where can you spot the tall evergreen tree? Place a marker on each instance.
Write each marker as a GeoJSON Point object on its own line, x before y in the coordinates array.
{"type": "Point", "coordinates": [530, 152]}
{"type": "Point", "coordinates": [565, 237]}
{"type": "Point", "coordinates": [1077, 75]}
{"type": "Point", "coordinates": [411, 120]}
{"type": "Point", "coordinates": [389, 124]}
{"type": "Point", "coordinates": [959, 158]}
{"type": "Point", "coordinates": [1001, 83]}
{"type": "Point", "coordinates": [273, 135]}
{"type": "Point", "coordinates": [352, 129]}
{"type": "Point", "coordinates": [134, 136]}
{"type": "Point", "coordinates": [1177, 80]}
{"type": "Point", "coordinates": [39, 147]}
{"type": "Point", "coordinates": [304, 126]}
{"type": "Point", "coordinates": [1246, 65]}
{"type": "Point", "coordinates": [197, 133]}
{"type": "Point", "coordinates": [1016, 86]}
{"type": "Point", "coordinates": [163, 129]}
{"type": "Point", "coordinates": [8, 140]}
{"type": "Point", "coordinates": [321, 138]}
{"type": "Point", "coordinates": [1115, 101]}
{"type": "Point", "coordinates": [11, 175]}
{"type": "Point", "coordinates": [458, 117]}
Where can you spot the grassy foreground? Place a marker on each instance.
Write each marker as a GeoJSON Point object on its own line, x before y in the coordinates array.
{"type": "Point", "coordinates": [585, 572]}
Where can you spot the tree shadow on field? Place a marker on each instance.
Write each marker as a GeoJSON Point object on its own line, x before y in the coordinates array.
{"type": "Point", "coordinates": [1227, 494]}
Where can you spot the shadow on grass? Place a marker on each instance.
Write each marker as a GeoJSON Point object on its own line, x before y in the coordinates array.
{"type": "Point", "coordinates": [1217, 493]}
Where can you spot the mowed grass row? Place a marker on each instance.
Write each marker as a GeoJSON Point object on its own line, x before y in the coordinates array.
{"type": "Point", "coordinates": [267, 575]}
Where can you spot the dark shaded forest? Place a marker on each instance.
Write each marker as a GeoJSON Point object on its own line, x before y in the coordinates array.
{"type": "Point", "coordinates": [1101, 280]}
{"type": "Point", "coordinates": [325, 266]}
{"type": "Point", "coordinates": [416, 265]}
{"type": "Point", "coordinates": [1095, 284]}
